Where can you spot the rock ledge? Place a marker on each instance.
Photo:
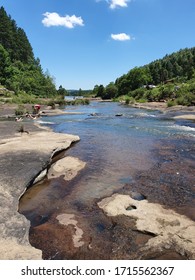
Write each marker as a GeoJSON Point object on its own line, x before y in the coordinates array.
{"type": "Point", "coordinates": [23, 157]}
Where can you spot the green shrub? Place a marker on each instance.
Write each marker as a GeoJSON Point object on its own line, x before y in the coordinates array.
{"type": "Point", "coordinates": [142, 100]}
{"type": "Point", "coordinates": [171, 103]}
{"type": "Point", "coordinates": [52, 104]}
{"type": "Point", "coordinates": [21, 110]}
{"type": "Point", "coordinates": [185, 100]}
{"type": "Point", "coordinates": [138, 93]}
{"type": "Point", "coordinates": [81, 101]}
{"type": "Point", "coordinates": [127, 100]}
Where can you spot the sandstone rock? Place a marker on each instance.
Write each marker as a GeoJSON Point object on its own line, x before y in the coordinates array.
{"type": "Point", "coordinates": [167, 226]}
{"type": "Point", "coordinates": [67, 166]}
{"type": "Point", "coordinates": [22, 158]}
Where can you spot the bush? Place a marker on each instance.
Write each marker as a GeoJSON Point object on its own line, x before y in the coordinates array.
{"type": "Point", "coordinates": [171, 103]}
{"type": "Point", "coordinates": [82, 101]}
{"type": "Point", "coordinates": [21, 110]}
{"type": "Point", "coordinates": [131, 100]}
{"type": "Point", "coordinates": [127, 100]}
{"type": "Point", "coordinates": [142, 100]}
{"type": "Point", "coordinates": [138, 93]}
{"type": "Point", "coordinates": [52, 104]}
{"type": "Point", "coordinates": [185, 100]}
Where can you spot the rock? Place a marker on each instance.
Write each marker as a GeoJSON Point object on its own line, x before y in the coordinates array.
{"type": "Point", "coordinates": [185, 117]}
{"type": "Point", "coordinates": [41, 176]}
{"type": "Point", "coordinates": [67, 166]}
{"type": "Point", "coordinates": [69, 219]}
{"type": "Point", "coordinates": [167, 226]}
{"type": "Point", "coordinates": [10, 248]}
{"type": "Point", "coordinates": [22, 158]}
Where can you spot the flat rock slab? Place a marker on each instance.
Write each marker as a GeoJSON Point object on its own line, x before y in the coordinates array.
{"type": "Point", "coordinates": [23, 157]}
{"type": "Point", "coordinates": [186, 117]}
{"type": "Point", "coordinates": [167, 226]}
{"type": "Point", "coordinates": [67, 167]}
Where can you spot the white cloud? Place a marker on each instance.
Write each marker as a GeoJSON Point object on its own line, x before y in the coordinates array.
{"type": "Point", "coordinates": [120, 37]}
{"type": "Point", "coordinates": [119, 3]}
{"type": "Point", "coordinates": [54, 19]}
{"type": "Point", "coordinates": [116, 3]}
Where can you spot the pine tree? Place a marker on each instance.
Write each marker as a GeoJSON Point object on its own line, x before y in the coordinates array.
{"type": "Point", "coordinates": [19, 70]}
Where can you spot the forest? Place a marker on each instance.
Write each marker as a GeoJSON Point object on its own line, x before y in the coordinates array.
{"type": "Point", "coordinates": [171, 79]}
{"type": "Point", "coordinates": [20, 72]}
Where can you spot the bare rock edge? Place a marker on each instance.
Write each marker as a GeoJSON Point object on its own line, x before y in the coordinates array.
{"type": "Point", "coordinates": [23, 157]}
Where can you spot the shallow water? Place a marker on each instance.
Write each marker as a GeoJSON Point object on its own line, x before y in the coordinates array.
{"type": "Point", "coordinates": [114, 147]}
{"type": "Point", "coordinates": [120, 145]}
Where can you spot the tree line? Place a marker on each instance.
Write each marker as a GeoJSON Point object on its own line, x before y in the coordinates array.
{"type": "Point", "coordinates": [164, 78]}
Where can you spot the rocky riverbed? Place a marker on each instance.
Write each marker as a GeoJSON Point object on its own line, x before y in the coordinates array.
{"type": "Point", "coordinates": [151, 218]}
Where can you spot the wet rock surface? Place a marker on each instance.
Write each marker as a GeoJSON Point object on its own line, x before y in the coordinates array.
{"type": "Point", "coordinates": [171, 180]}
{"type": "Point", "coordinates": [23, 157]}
{"type": "Point", "coordinates": [169, 184]}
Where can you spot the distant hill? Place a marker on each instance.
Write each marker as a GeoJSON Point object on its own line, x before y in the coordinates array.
{"type": "Point", "coordinates": [179, 65]}
{"type": "Point", "coordinates": [20, 71]}
{"type": "Point", "coordinates": [160, 79]}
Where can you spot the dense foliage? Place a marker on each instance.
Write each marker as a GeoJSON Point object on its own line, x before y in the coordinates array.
{"type": "Point", "coordinates": [19, 70]}
{"type": "Point", "coordinates": [170, 78]}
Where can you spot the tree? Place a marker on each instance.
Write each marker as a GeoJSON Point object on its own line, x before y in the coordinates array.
{"type": "Point", "coordinates": [99, 91]}
{"type": "Point", "coordinates": [62, 91]}
{"type": "Point", "coordinates": [123, 85]}
{"type": "Point", "coordinates": [19, 70]}
{"type": "Point", "coordinates": [4, 64]}
{"type": "Point", "coordinates": [138, 77]}
{"type": "Point", "coordinates": [111, 91]}
{"type": "Point", "coordinates": [80, 92]}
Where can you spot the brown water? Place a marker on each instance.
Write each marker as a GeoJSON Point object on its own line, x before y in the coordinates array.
{"type": "Point", "coordinates": [139, 151]}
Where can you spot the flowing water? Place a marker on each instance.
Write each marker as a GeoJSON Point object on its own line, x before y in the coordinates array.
{"type": "Point", "coordinates": [122, 148]}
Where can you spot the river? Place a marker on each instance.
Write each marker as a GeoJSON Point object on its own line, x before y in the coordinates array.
{"type": "Point", "coordinates": [126, 149]}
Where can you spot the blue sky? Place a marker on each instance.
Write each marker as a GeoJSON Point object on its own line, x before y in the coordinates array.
{"type": "Point", "coordinates": [87, 42]}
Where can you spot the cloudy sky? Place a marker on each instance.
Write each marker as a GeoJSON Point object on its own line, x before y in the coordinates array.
{"type": "Point", "coordinates": [87, 42]}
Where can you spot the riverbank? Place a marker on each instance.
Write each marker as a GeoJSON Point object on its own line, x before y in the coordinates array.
{"type": "Point", "coordinates": [178, 111]}
{"type": "Point", "coordinates": [7, 111]}
{"type": "Point", "coordinates": [26, 150]}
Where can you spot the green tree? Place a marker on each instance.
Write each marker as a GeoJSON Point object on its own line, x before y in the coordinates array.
{"type": "Point", "coordinates": [80, 92]}
{"type": "Point", "coordinates": [62, 91]}
{"type": "Point", "coordinates": [19, 70]}
{"type": "Point", "coordinates": [123, 85]}
{"type": "Point", "coordinates": [98, 91]}
{"type": "Point", "coordinates": [4, 64]}
{"type": "Point", "coordinates": [111, 91]}
{"type": "Point", "coordinates": [138, 77]}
